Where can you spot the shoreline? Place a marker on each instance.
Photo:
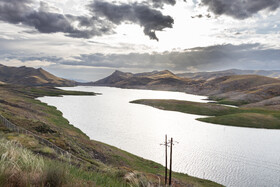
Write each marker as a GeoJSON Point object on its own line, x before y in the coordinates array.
{"type": "Point", "coordinates": [219, 114]}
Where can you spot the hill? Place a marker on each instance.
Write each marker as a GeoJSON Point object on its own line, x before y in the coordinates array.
{"type": "Point", "coordinates": [217, 74]}
{"type": "Point", "coordinates": [241, 89]}
{"type": "Point", "coordinates": [156, 80]}
{"type": "Point", "coordinates": [227, 89]}
{"type": "Point", "coordinates": [31, 77]}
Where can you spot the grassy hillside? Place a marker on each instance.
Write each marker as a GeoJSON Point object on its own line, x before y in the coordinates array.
{"type": "Point", "coordinates": [241, 117]}
{"type": "Point", "coordinates": [21, 167]}
{"type": "Point", "coordinates": [104, 165]}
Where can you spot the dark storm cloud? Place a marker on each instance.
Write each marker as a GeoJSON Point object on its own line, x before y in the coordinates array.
{"type": "Point", "coordinates": [250, 56]}
{"type": "Point", "coordinates": [13, 11]}
{"type": "Point", "coordinates": [240, 9]}
{"type": "Point", "coordinates": [160, 3]}
{"type": "Point", "coordinates": [201, 16]}
{"type": "Point", "coordinates": [21, 12]}
{"type": "Point", "coordinates": [47, 19]}
{"type": "Point", "coordinates": [150, 19]}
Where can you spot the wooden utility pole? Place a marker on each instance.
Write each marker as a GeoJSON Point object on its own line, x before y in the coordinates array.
{"type": "Point", "coordinates": [170, 169]}
{"type": "Point", "coordinates": [165, 159]}
{"type": "Point", "coordinates": [166, 144]}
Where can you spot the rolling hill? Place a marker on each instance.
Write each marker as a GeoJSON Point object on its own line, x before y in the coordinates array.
{"type": "Point", "coordinates": [241, 89]}
{"type": "Point", "coordinates": [122, 78]}
{"type": "Point", "coordinates": [237, 83]}
{"type": "Point", "coordinates": [217, 74]}
{"type": "Point", "coordinates": [229, 89]}
{"type": "Point", "coordinates": [156, 80]}
{"type": "Point", "coordinates": [31, 77]}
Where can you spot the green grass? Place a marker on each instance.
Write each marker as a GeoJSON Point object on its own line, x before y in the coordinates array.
{"type": "Point", "coordinates": [207, 109]}
{"type": "Point", "coordinates": [225, 101]}
{"type": "Point", "coordinates": [254, 120]}
{"type": "Point", "coordinates": [230, 102]}
{"type": "Point", "coordinates": [241, 117]}
{"type": "Point", "coordinates": [50, 91]}
{"type": "Point", "coordinates": [21, 167]}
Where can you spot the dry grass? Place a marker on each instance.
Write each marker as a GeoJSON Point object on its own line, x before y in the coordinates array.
{"type": "Point", "coordinates": [136, 179]}
{"type": "Point", "coordinates": [20, 167]}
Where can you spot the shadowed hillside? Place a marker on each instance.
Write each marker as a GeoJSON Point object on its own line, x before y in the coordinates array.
{"type": "Point", "coordinates": [31, 77]}
{"type": "Point", "coordinates": [156, 80]}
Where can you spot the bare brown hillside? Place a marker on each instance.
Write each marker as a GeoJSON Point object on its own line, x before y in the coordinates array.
{"type": "Point", "coordinates": [234, 89]}
{"type": "Point", "coordinates": [31, 77]}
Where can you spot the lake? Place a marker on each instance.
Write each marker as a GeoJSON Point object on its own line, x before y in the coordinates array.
{"type": "Point", "coordinates": [231, 156]}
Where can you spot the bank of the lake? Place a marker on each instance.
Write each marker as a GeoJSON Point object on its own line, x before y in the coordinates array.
{"type": "Point", "coordinates": [220, 114]}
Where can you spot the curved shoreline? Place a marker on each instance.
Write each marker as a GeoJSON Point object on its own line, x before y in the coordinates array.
{"type": "Point", "coordinates": [220, 114]}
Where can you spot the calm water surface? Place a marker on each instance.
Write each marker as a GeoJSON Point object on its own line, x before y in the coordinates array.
{"type": "Point", "coordinates": [228, 155]}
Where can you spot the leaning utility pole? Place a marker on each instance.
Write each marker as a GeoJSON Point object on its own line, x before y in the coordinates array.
{"type": "Point", "coordinates": [170, 169]}
{"type": "Point", "coordinates": [166, 145]}
{"type": "Point", "coordinates": [165, 159]}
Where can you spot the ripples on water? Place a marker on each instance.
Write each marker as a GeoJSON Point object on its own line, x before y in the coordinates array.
{"type": "Point", "coordinates": [231, 156]}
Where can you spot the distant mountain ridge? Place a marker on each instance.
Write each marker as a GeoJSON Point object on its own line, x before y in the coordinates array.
{"type": "Point", "coordinates": [31, 77]}
{"type": "Point", "coordinates": [158, 80]}
{"type": "Point", "coordinates": [243, 89]}
{"type": "Point", "coordinates": [216, 74]}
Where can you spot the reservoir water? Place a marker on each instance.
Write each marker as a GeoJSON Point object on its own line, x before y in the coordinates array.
{"type": "Point", "coordinates": [231, 156]}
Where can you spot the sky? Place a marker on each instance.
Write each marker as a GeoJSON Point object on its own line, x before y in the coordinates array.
{"type": "Point", "coordinates": [87, 40]}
